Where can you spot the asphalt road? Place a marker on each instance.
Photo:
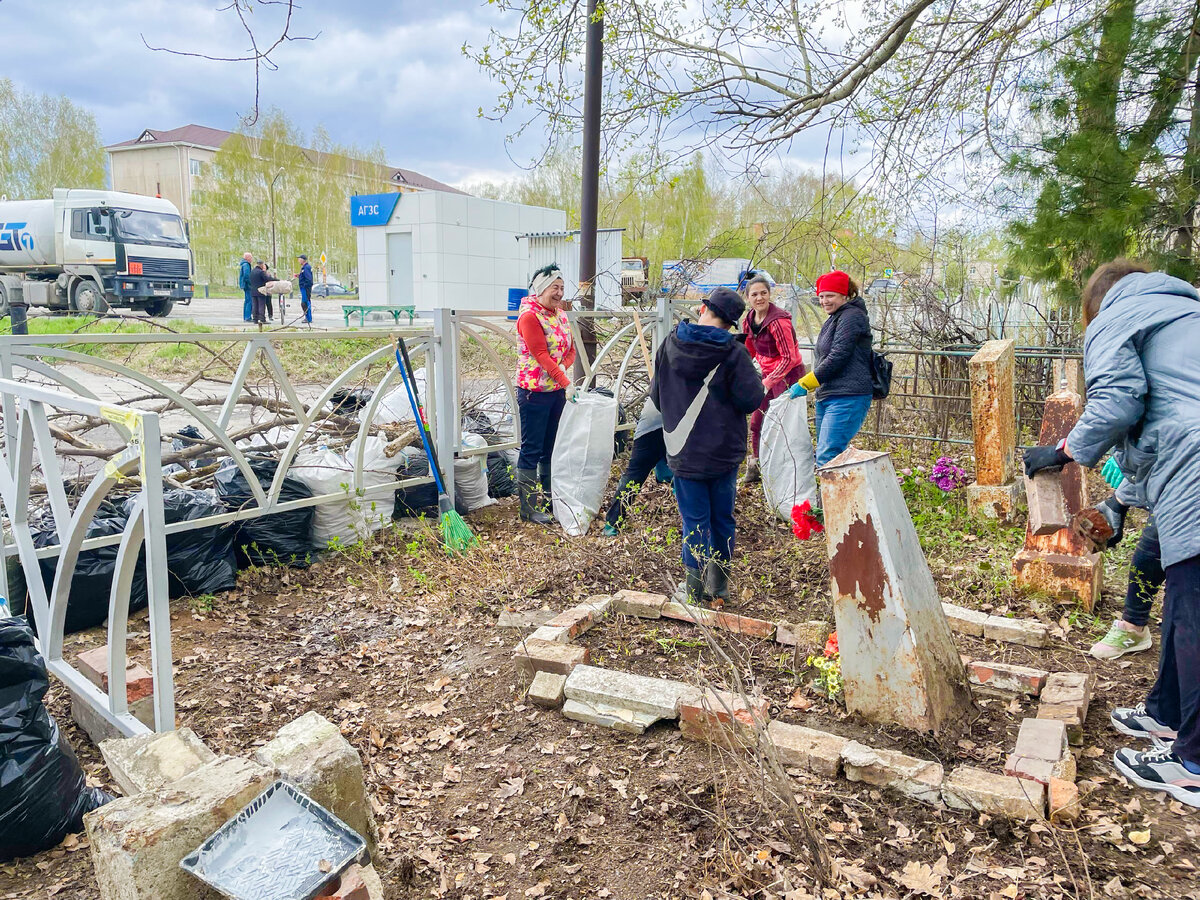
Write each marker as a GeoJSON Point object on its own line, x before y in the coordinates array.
{"type": "Point", "coordinates": [226, 312]}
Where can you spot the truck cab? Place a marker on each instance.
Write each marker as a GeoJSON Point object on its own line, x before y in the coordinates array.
{"type": "Point", "coordinates": [88, 250]}
{"type": "Point", "coordinates": [138, 247]}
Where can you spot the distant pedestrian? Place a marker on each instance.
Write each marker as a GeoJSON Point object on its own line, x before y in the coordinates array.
{"type": "Point", "coordinates": [244, 268]}
{"type": "Point", "coordinates": [705, 385]}
{"type": "Point", "coordinates": [305, 279]}
{"type": "Point", "coordinates": [258, 279]}
{"type": "Point", "coordinates": [842, 374]}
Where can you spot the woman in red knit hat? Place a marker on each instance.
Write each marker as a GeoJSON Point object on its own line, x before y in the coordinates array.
{"type": "Point", "coordinates": [842, 375]}
{"type": "Point", "coordinates": [771, 340]}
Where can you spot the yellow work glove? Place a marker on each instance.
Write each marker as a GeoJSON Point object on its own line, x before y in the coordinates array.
{"type": "Point", "coordinates": [809, 382]}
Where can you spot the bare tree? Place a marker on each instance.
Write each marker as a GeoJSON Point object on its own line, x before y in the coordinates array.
{"type": "Point", "coordinates": [263, 42]}
{"type": "Point", "coordinates": [927, 78]}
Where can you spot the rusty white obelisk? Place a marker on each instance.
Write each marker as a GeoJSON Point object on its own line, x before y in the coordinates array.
{"type": "Point", "coordinates": [899, 662]}
{"type": "Point", "coordinates": [993, 417]}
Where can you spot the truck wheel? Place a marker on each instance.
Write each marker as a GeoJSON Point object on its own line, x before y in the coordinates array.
{"type": "Point", "coordinates": [160, 309]}
{"type": "Point", "coordinates": [88, 298]}
{"type": "Point", "coordinates": [3, 301]}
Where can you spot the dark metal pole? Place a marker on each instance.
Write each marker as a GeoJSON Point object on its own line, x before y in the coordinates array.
{"type": "Point", "coordinates": [590, 201]}
{"type": "Point", "coordinates": [16, 314]}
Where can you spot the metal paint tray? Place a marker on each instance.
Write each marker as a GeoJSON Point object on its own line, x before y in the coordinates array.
{"type": "Point", "coordinates": [272, 849]}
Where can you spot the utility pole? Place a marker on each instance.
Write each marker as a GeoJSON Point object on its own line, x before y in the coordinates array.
{"type": "Point", "coordinates": [590, 201]}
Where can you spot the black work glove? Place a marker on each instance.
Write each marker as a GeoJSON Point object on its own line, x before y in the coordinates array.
{"type": "Point", "coordinates": [1038, 458]}
{"type": "Point", "coordinates": [1114, 514]}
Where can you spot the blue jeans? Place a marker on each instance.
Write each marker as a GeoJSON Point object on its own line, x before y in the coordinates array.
{"type": "Point", "coordinates": [706, 508]}
{"type": "Point", "coordinates": [540, 412]}
{"type": "Point", "coordinates": [838, 421]}
{"type": "Point", "coordinates": [306, 302]}
{"type": "Point", "coordinates": [248, 306]}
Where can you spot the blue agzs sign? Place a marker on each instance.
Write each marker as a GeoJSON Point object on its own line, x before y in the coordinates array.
{"type": "Point", "coordinates": [13, 236]}
{"type": "Point", "coordinates": [372, 209]}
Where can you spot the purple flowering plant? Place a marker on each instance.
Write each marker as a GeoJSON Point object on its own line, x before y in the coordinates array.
{"type": "Point", "coordinates": [947, 475]}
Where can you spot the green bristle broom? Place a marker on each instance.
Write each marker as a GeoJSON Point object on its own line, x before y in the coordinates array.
{"type": "Point", "coordinates": [456, 533]}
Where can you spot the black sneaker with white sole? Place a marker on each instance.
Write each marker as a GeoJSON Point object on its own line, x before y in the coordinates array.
{"type": "Point", "coordinates": [1160, 770]}
{"type": "Point", "coordinates": [1136, 722]}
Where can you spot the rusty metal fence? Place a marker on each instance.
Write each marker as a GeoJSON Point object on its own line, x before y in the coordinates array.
{"type": "Point", "coordinates": [930, 401]}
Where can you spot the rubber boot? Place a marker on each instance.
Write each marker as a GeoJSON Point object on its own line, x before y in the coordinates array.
{"type": "Point", "coordinates": [691, 590]}
{"type": "Point", "coordinates": [543, 472]}
{"type": "Point", "coordinates": [527, 491]}
{"type": "Point", "coordinates": [752, 475]}
{"type": "Point", "coordinates": [716, 581]}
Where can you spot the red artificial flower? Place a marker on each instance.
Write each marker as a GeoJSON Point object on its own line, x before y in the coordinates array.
{"type": "Point", "coordinates": [831, 645]}
{"type": "Point", "coordinates": [804, 523]}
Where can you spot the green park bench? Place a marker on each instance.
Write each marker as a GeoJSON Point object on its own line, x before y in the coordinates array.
{"type": "Point", "coordinates": [350, 309]}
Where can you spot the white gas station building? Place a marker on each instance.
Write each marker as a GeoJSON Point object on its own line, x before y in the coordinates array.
{"type": "Point", "coordinates": [438, 250]}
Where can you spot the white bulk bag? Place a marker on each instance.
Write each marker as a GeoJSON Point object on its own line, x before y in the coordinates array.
{"type": "Point", "coordinates": [355, 515]}
{"type": "Point", "coordinates": [395, 406]}
{"type": "Point", "coordinates": [582, 460]}
{"type": "Point", "coordinates": [470, 475]}
{"type": "Point", "coordinates": [282, 286]}
{"type": "Point", "coordinates": [785, 456]}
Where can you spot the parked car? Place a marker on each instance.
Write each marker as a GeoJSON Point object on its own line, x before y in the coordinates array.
{"type": "Point", "coordinates": [329, 289]}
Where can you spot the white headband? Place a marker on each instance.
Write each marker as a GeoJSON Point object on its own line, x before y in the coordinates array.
{"type": "Point", "coordinates": [543, 280]}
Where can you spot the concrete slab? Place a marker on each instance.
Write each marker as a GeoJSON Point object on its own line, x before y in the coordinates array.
{"type": "Point", "coordinates": [152, 761]}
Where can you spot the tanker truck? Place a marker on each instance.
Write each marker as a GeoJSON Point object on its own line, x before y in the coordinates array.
{"type": "Point", "coordinates": [85, 251]}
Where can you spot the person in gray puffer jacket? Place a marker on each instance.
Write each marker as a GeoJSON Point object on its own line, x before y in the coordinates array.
{"type": "Point", "coordinates": [1141, 358]}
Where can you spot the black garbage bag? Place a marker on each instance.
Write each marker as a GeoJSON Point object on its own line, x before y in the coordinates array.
{"type": "Point", "coordinates": [502, 466]}
{"type": "Point", "coordinates": [421, 499]}
{"type": "Point", "coordinates": [87, 604]}
{"type": "Point", "coordinates": [283, 538]}
{"type": "Point", "coordinates": [478, 422]}
{"type": "Point", "coordinates": [190, 436]}
{"type": "Point", "coordinates": [200, 561]}
{"type": "Point", "coordinates": [43, 791]}
{"type": "Point", "coordinates": [350, 400]}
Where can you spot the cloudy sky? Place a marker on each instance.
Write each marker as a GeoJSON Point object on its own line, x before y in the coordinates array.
{"type": "Point", "coordinates": [379, 71]}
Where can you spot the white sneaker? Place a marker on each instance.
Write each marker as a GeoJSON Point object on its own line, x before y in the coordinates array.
{"type": "Point", "coordinates": [1120, 641]}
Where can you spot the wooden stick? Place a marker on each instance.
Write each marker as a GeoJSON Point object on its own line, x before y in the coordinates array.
{"type": "Point", "coordinates": [637, 323]}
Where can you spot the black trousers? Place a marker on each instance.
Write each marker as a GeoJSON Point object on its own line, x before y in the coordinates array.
{"type": "Point", "coordinates": [648, 451]}
{"type": "Point", "coordinates": [1175, 698]}
{"type": "Point", "coordinates": [1146, 576]}
{"type": "Point", "coordinates": [540, 412]}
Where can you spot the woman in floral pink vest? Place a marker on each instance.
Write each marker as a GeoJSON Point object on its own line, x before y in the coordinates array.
{"type": "Point", "coordinates": [546, 353]}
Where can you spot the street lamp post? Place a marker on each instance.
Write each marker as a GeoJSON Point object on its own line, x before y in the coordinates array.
{"type": "Point", "coordinates": [278, 175]}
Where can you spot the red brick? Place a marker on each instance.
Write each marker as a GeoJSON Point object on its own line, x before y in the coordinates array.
{"type": "Point", "coordinates": [1074, 688]}
{"type": "Point", "coordinates": [718, 717]}
{"type": "Point", "coordinates": [1007, 678]}
{"type": "Point", "coordinates": [742, 624]}
{"type": "Point", "coordinates": [348, 886]}
{"type": "Point", "coordinates": [575, 620]}
{"type": "Point", "coordinates": [532, 656]}
{"type": "Point", "coordinates": [93, 665]}
{"type": "Point", "coordinates": [1064, 800]}
{"type": "Point", "coordinates": [809, 635]}
{"type": "Point", "coordinates": [1070, 714]}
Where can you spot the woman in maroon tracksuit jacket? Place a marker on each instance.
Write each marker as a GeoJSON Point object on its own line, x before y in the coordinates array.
{"type": "Point", "coordinates": [771, 340]}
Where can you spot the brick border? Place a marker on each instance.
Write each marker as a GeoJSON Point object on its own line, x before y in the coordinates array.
{"type": "Point", "coordinates": [1035, 773]}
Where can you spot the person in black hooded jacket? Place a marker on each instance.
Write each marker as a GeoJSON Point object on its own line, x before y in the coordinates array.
{"type": "Point", "coordinates": [842, 375]}
{"type": "Point", "coordinates": [705, 385]}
